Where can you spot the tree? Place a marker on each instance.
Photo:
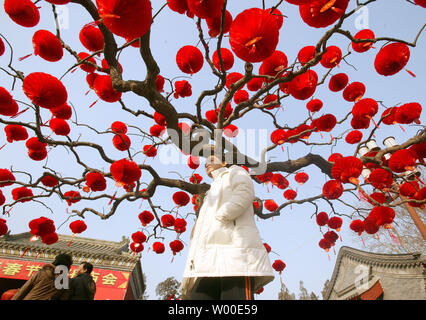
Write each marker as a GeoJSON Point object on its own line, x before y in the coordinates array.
{"type": "Point", "coordinates": [168, 289]}
{"type": "Point", "coordinates": [139, 107]}
{"type": "Point", "coordinates": [285, 294]}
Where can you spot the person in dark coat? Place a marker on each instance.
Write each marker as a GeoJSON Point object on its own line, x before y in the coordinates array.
{"type": "Point", "coordinates": [82, 286]}
{"type": "Point", "coordinates": [43, 285]}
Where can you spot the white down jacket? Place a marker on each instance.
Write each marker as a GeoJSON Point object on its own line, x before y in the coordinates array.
{"type": "Point", "coordinates": [225, 240]}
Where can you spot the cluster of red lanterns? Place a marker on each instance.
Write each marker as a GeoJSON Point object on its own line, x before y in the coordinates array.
{"type": "Point", "coordinates": [125, 172]}
{"type": "Point", "coordinates": [36, 150]}
{"type": "Point", "coordinates": [45, 228]}
{"type": "Point", "coordinates": [138, 239]}
{"type": "Point", "coordinates": [3, 227]}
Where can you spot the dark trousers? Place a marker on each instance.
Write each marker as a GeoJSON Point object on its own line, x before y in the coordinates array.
{"type": "Point", "coordinates": [225, 288]}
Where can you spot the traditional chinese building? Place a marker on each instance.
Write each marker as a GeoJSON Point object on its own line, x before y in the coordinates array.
{"type": "Point", "coordinates": [116, 271]}
{"type": "Point", "coordinates": [360, 275]}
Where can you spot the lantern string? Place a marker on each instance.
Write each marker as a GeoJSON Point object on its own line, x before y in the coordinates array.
{"type": "Point", "coordinates": [73, 235]}
{"type": "Point", "coordinates": [19, 113]}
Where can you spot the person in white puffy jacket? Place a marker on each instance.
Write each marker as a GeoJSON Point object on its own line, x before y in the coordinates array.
{"type": "Point", "coordinates": [227, 259]}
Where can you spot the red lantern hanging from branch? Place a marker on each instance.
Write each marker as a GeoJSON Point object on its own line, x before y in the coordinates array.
{"type": "Point", "coordinates": [189, 59]}
{"type": "Point", "coordinates": [392, 58]}
{"type": "Point", "coordinates": [44, 90]}
{"type": "Point", "coordinates": [47, 46]}
{"type": "Point", "coordinates": [23, 12]}
{"type": "Point", "coordinates": [322, 13]}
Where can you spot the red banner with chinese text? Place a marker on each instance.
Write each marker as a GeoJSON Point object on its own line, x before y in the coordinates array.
{"type": "Point", "coordinates": [110, 284]}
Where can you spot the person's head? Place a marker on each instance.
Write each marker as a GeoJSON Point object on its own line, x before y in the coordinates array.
{"type": "Point", "coordinates": [85, 267]}
{"type": "Point", "coordinates": [213, 162]}
{"type": "Point", "coordinates": [63, 259]}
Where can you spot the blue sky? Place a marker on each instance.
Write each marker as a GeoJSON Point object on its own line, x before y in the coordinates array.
{"type": "Point", "coordinates": [294, 235]}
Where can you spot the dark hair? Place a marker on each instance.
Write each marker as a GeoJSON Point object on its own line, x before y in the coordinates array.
{"type": "Point", "coordinates": [88, 266]}
{"type": "Point", "coordinates": [63, 259]}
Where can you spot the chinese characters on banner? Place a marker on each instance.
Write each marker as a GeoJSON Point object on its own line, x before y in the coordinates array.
{"type": "Point", "coordinates": [110, 284]}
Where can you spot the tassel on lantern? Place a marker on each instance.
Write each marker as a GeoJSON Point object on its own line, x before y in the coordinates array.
{"type": "Point", "coordinates": [363, 242]}
{"type": "Point", "coordinates": [38, 254]}
{"type": "Point", "coordinates": [410, 73]}
{"type": "Point", "coordinates": [73, 235]}
{"type": "Point", "coordinates": [25, 57]}
{"type": "Point", "coordinates": [112, 199]}
{"type": "Point", "coordinates": [19, 113]}
{"type": "Point", "coordinates": [25, 251]}
{"type": "Point", "coordinates": [93, 103]}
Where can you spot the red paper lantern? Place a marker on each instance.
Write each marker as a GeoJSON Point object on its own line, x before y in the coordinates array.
{"type": "Point", "coordinates": [382, 215]}
{"type": "Point", "coordinates": [91, 38]}
{"type": "Point", "coordinates": [189, 59]}
{"type": "Point", "coordinates": [23, 12]}
{"type": "Point", "coordinates": [402, 160]}
{"type": "Point", "coordinates": [278, 266]}
{"type": "Point", "coordinates": [301, 178]}
{"type": "Point", "coordinates": [331, 237]}
{"type": "Point", "coordinates": [118, 127]}
{"type": "Point", "coordinates": [381, 178]}
{"type": "Point", "coordinates": [253, 35]}
{"type": "Point", "coordinates": [160, 119]}
{"type": "Point", "coordinates": [331, 57]}
{"type": "Point", "coordinates": [326, 123]}
{"type": "Point", "coordinates": [193, 162]}
{"type": "Point", "coordinates": [138, 237]}
{"type": "Point", "coordinates": [159, 83]}
{"type": "Point", "coordinates": [365, 108]}
{"type": "Point", "coordinates": [215, 24]}
{"type": "Point", "coordinates": [59, 2]}
{"type": "Point", "coordinates": [6, 175]}
{"type": "Point", "coordinates": [180, 225]}
{"type": "Point", "coordinates": [8, 106]}
{"type": "Point", "coordinates": [59, 126]}
{"type": "Point", "coordinates": [62, 112]}
{"type": "Point", "coordinates": [181, 198]}
{"type": "Point", "coordinates": [324, 244]}
{"type": "Point", "coordinates": [195, 178]}
{"type": "Point", "coordinates": [72, 197]}
{"type": "Point", "coordinates": [180, 6]}
{"type": "Point", "coordinates": [267, 247]}
{"type": "Point", "coordinates": [47, 46]}
{"type": "Point", "coordinates": [303, 86]}
{"type": "Point", "coordinates": [360, 123]}
{"type": "Point", "coordinates": [232, 78]}
{"type": "Point", "coordinates": [20, 193]}
{"type": "Point", "coordinates": [392, 58]}
{"type": "Point", "coordinates": [176, 246]}
{"type": "Point", "coordinates": [333, 157]}
{"type": "Point", "coordinates": [322, 218]}
{"type": "Point", "coordinates": [357, 226]}
{"type": "Point", "coordinates": [149, 150]}
{"type": "Point", "coordinates": [44, 90]}
{"type": "Point", "coordinates": [255, 84]}
{"type": "Point", "coordinates": [78, 226]}
{"type": "Point", "coordinates": [279, 181]}
{"type": "Point", "coordinates": [136, 247]}
{"type": "Point", "coordinates": [347, 169]}
{"type": "Point", "coordinates": [104, 89]}
{"type": "Point", "coordinates": [279, 136]}
{"type": "Point", "coordinates": [227, 59]}
{"type": "Point", "coordinates": [377, 196]}
{"type": "Point", "coordinates": [270, 205]}
{"type": "Point", "coordinates": [145, 217]}
{"type": "Point", "coordinates": [15, 132]}
{"type": "Point", "coordinates": [125, 172]}
{"type": "Point", "coordinates": [306, 54]}
{"type": "Point", "coordinates": [354, 92]}
{"type": "Point", "coordinates": [290, 194]}
{"type": "Point", "coordinates": [314, 105]}
{"type": "Point", "coordinates": [9, 294]}
{"type": "Point", "coordinates": [121, 142]}
{"type": "Point", "coordinates": [274, 64]}
{"type": "Point", "coordinates": [421, 3]}
{"type": "Point", "coordinates": [338, 82]}
{"type": "Point", "coordinates": [408, 113]}
{"type": "Point", "coordinates": [96, 181]}
{"type": "Point", "coordinates": [50, 238]}
{"type": "Point", "coordinates": [322, 13]}
{"type": "Point", "coordinates": [409, 189]}
{"type": "Point", "coordinates": [49, 181]}
{"type": "Point", "coordinates": [354, 137]}
{"type": "Point", "coordinates": [41, 226]}
{"type": "Point", "coordinates": [167, 220]}
{"type": "Point", "coordinates": [228, 110]}
{"type": "Point", "coordinates": [388, 116]}
{"type": "Point", "coordinates": [241, 96]}
{"type": "Point", "coordinates": [126, 18]}
{"type": "Point", "coordinates": [332, 189]}
{"type": "Point", "coordinates": [300, 2]}
{"type": "Point", "coordinates": [277, 14]}
{"type": "Point", "coordinates": [363, 46]}
{"type": "Point", "coordinates": [211, 116]}
{"type": "Point", "coordinates": [206, 8]}
{"type": "Point", "coordinates": [158, 247]}
{"type": "Point", "coordinates": [335, 223]}
{"type": "Point", "coordinates": [182, 89]}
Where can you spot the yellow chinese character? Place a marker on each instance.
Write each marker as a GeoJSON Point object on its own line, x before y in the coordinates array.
{"type": "Point", "coordinates": [12, 268]}
{"type": "Point", "coordinates": [73, 273]}
{"type": "Point", "coordinates": [95, 276]}
{"type": "Point", "coordinates": [31, 269]}
{"type": "Point", "coordinates": [109, 279]}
